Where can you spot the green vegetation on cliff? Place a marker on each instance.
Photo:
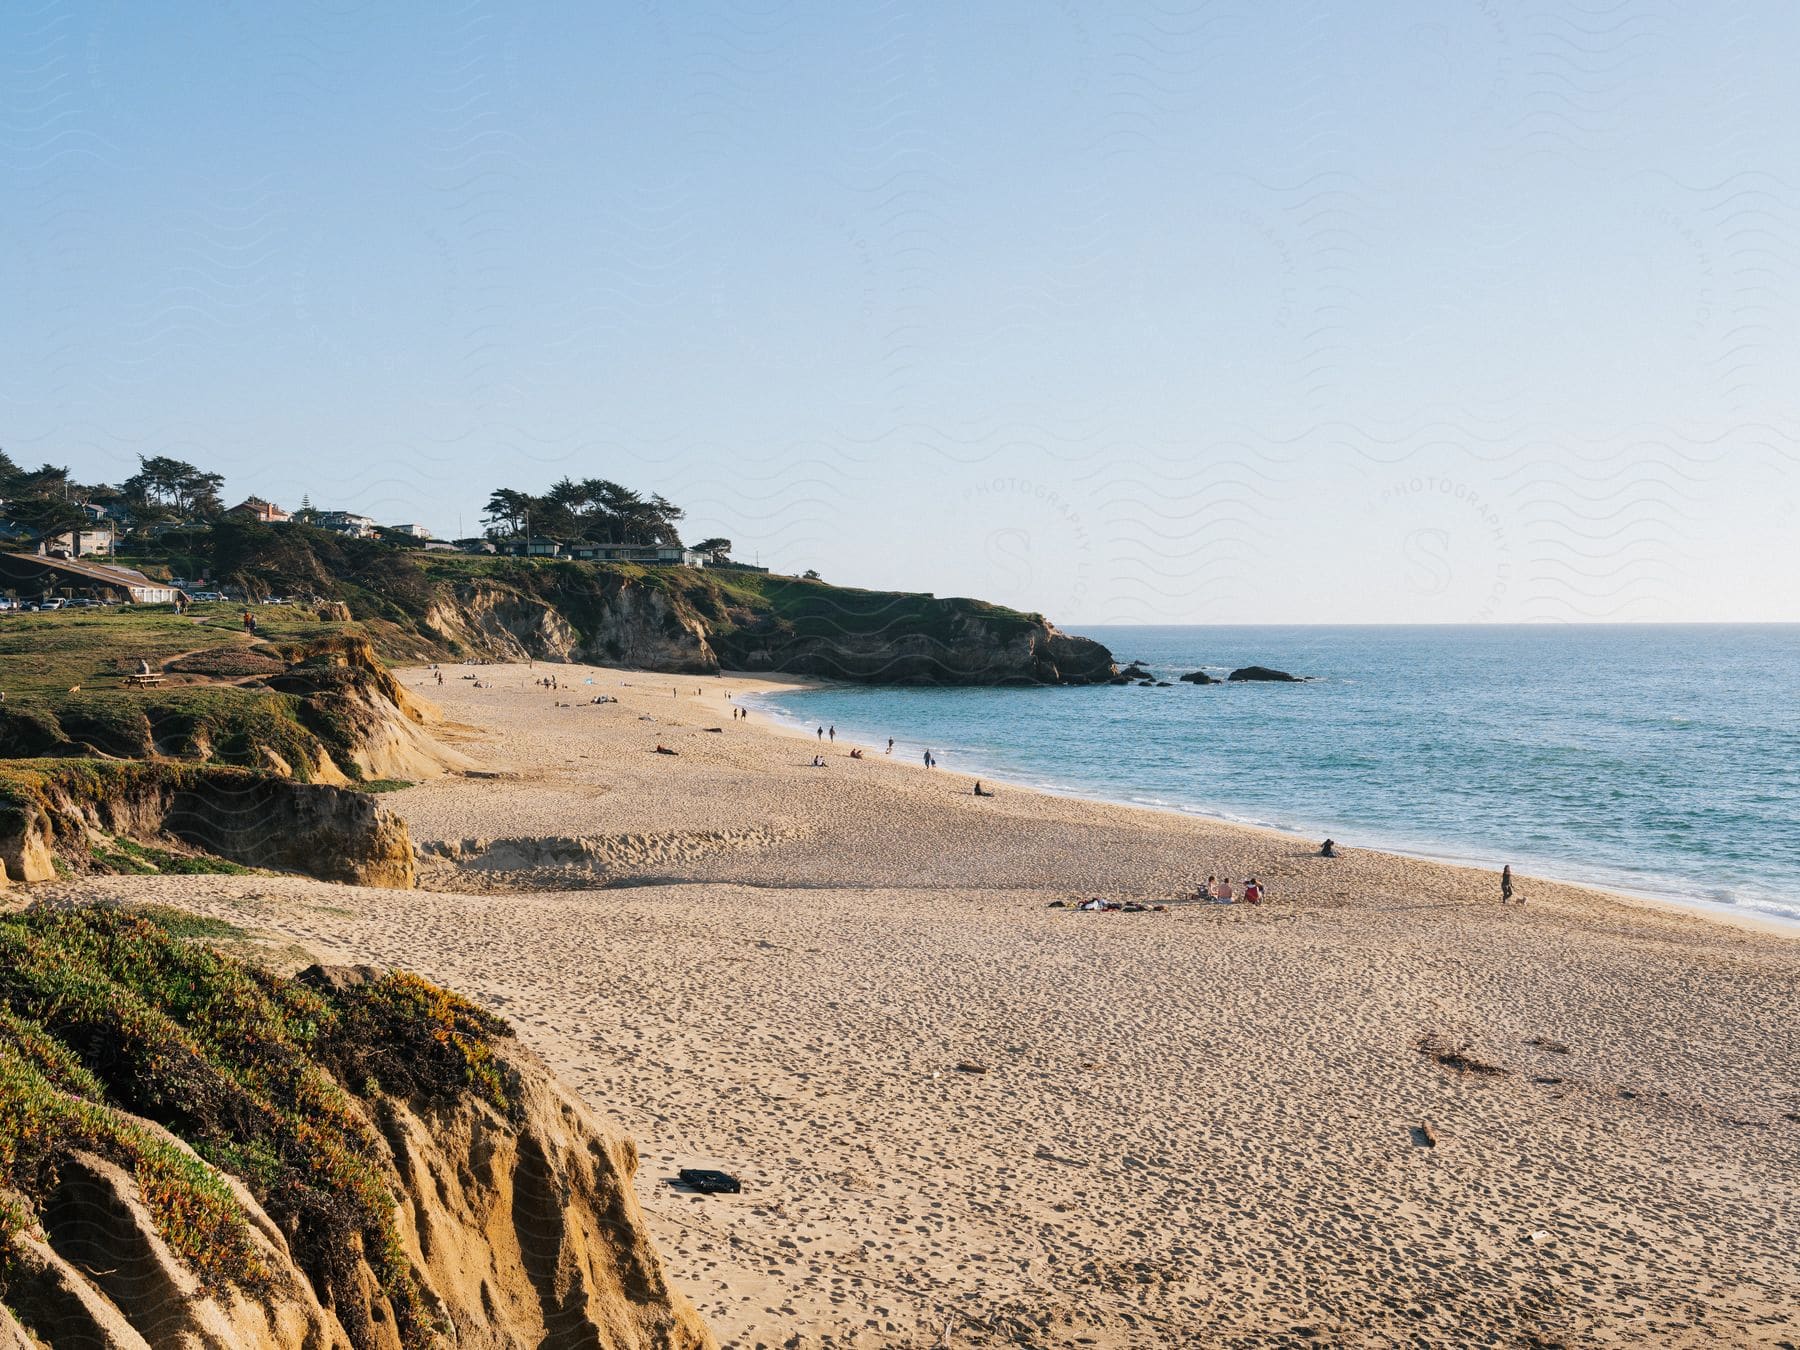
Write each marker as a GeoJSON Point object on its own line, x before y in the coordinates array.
{"type": "Point", "coordinates": [294, 704]}
{"type": "Point", "coordinates": [98, 773]}
{"type": "Point", "coordinates": [415, 604]}
{"type": "Point", "coordinates": [109, 1019]}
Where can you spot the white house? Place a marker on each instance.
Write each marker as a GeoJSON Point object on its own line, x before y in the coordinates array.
{"type": "Point", "coordinates": [347, 522]}
{"type": "Point", "coordinates": [90, 539]}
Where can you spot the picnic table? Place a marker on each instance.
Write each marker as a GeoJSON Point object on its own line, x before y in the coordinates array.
{"type": "Point", "coordinates": [143, 681]}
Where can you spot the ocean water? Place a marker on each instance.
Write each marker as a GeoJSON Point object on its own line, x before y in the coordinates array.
{"type": "Point", "coordinates": [1663, 760]}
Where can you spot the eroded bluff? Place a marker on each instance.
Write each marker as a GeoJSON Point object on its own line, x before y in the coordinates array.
{"type": "Point", "coordinates": [689, 622]}
{"type": "Point", "coordinates": [355, 1188]}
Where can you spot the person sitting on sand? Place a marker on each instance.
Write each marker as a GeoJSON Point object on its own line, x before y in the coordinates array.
{"type": "Point", "coordinates": [856, 754]}
{"type": "Point", "coordinates": [818, 761]}
{"type": "Point", "coordinates": [1223, 892]}
{"type": "Point", "coordinates": [1328, 849]}
{"type": "Point", "coordinates": [1253, 892]}
{"type": "Point", "coordinates": [980, 791]}
{"type": "Point", "coordinates": [1205, 892]}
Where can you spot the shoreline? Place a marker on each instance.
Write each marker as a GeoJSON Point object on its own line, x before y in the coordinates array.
{"type": "Point", "coordinates": [1378, 1106]}
{"type": "Point", "coordinates": [1526, 866]}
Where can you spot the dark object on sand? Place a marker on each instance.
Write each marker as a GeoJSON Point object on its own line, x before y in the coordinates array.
{"type": "Point", "coordinates": [1424, 1136]}
{"type": "Point", "coordinates": [1198, 677]}
{"type": "Point", "coordinates": [967, 1066]}
{"type": "Point", "coordinates": [1057, 904]}
{"type": "Point", "coordinates": [1328, 849]}
{"type": "Point", "coordinates": [708, 1181]}
{"type": "Point", "coordinates": [1265, 675]}
{"type": "Point", "coordinates": [718, 730]}
{"type": "Point", "coordinates": [664, 750]}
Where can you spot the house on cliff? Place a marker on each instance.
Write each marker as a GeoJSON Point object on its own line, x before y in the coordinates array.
{"type": "Point", "coordinates": [264, 513]}
{"type": "Point", "coordinates": [348, 523]}
{"type": "Point", "coordinates": [648, 555]}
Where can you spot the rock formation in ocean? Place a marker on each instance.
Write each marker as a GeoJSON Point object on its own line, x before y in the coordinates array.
{"type": "Point", "coordinates": [1262, 674]}
{"type": "Point", "coordinates": [1198, 677]}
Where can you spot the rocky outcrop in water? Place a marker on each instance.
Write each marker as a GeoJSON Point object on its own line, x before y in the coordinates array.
{"type": "Point", "coordinates": [1198, 677]}
{"type": "Point", "coordinates": [967, 651]}
{"type": "Point", "coordinates": [1263, 675]}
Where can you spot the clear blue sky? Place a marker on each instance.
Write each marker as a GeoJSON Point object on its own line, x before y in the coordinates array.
{"type": "Point", "coordinates": [1227, 311]}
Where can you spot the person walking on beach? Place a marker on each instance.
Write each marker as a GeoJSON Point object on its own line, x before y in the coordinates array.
{"type": "Point", "coordinates": [890, 748]}
{"type": "Point", "coordinates": [1506, 884]}
{"type": "Point", "coordinates": [833, 734]}
{"type": "Point", "coordinates": [821, 733]}
{"type": "Point", "coordinates": [930, 763]}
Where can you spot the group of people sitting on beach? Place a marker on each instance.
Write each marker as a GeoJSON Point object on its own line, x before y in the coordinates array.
{"type": "Point", "coordinates": [1220, 891]}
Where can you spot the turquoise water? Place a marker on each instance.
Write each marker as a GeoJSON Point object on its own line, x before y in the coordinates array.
{"type": "Point", "coordinates": [1661, 760]}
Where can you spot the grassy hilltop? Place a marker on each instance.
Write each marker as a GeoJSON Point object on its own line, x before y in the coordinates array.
{"type": "Point", "coordinates": [208, 771]}
{"type": "Point", "coordinates": [415, 604]}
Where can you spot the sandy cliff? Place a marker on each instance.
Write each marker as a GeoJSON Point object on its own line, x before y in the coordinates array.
{"type": "Point", "coordinates": [693, 624]}
{"type": "Point", "coordinates": [354, 1160]}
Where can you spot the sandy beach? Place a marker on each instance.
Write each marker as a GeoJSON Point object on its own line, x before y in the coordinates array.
{"type": "Point", "coordinates": [1378, 1109]}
